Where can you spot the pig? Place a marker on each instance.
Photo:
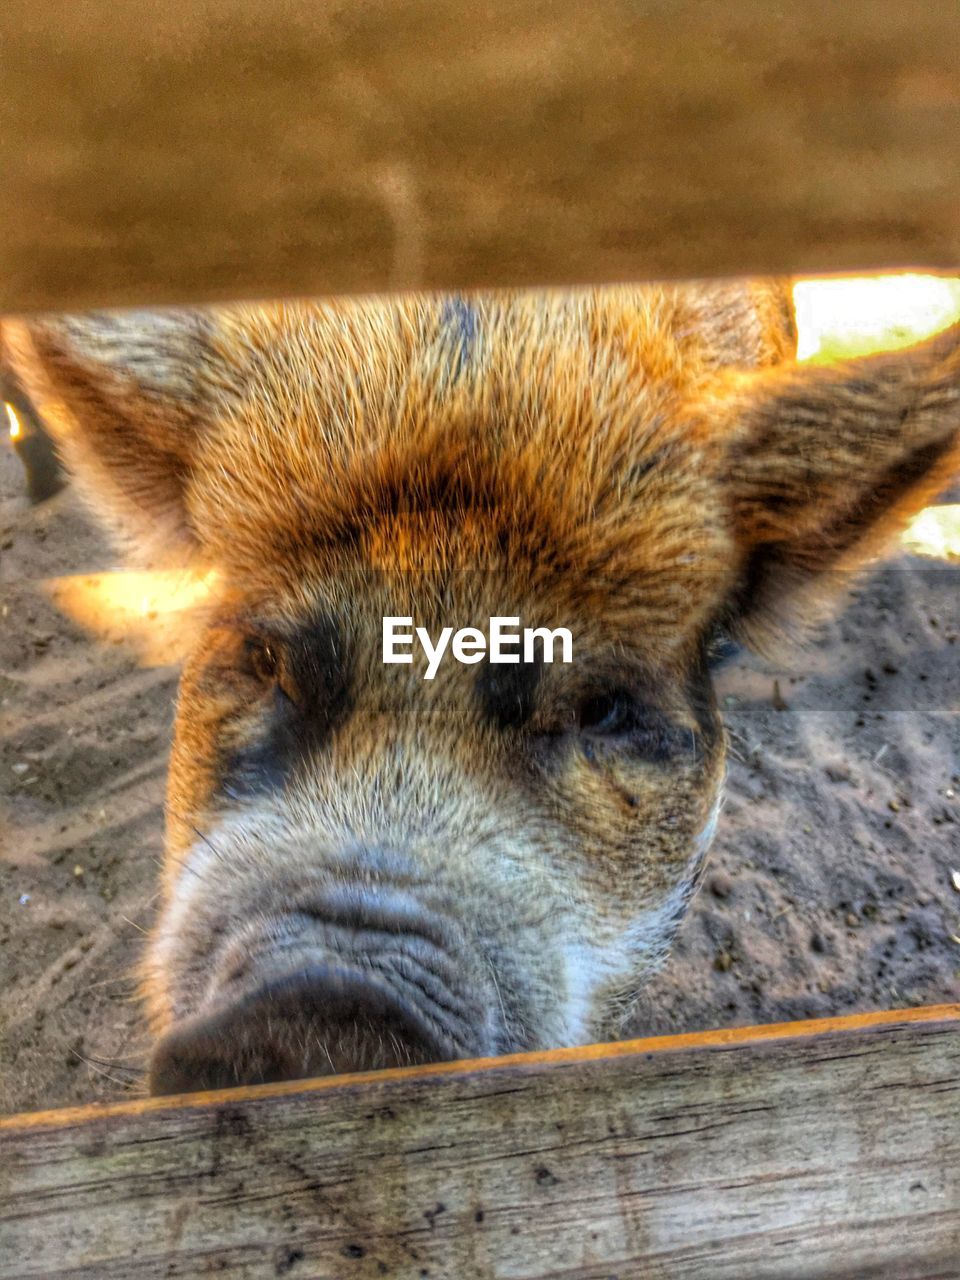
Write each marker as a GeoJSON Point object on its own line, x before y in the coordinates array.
{"type": "Point", "coordinates": [368, 869]}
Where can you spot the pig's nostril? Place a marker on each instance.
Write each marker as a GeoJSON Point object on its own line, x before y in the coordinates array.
{"type": "Point", "coordinates": [316, 1021]}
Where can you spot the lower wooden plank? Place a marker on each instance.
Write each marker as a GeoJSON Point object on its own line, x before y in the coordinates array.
{"type": "Point", "coordinates": [800, 1151]}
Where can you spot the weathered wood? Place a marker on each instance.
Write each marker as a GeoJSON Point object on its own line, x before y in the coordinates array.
{"type": "Point", "coordinates": [821, 1149]}
{"type": "Point", "coordinates": [193, 151]}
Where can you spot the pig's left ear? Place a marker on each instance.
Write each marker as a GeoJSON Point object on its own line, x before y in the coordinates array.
{"type": "Point", "coordinates": [124, 395]}
{"type": "Point", "coordinates": [824, 465]}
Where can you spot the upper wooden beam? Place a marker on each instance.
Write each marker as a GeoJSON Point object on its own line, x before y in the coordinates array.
{"type": "Point", "coordinates": [808, 1150]}
{"type": "Point", "coordinates": [230, 148]}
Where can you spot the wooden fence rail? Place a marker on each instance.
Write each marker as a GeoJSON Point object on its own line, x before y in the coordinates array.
{"type": "Point", "coordinates": [210, 149]}
{"type": "Point", "coordinates": [818, 1149]}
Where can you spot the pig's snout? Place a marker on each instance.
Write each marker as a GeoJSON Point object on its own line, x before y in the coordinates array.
{"type": "Point", "coordinates": [314, 1022]}
{"type": "Point", "coordinates": [345, 984]}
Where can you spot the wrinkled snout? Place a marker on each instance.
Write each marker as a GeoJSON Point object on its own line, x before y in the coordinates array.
{"type": "Point", "coordinates": [355, 980]}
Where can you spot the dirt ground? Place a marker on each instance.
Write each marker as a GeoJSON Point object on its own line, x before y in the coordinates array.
{"type": "Point", "coordinates": [830, 884]}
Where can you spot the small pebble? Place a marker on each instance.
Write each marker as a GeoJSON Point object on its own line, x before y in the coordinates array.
{"type": "Point", "coordinates": [721, 886]}
{"type": "Point", "coordinates": [893, 806]}
{"type": "Point", "coordinates": [78, 870]}
{"type": "Point", "coordinates": [955, 880]}
{"type": "Point", "coordinates": [19, 769]}
{"type": "Point", "coordinates": [852, 921]}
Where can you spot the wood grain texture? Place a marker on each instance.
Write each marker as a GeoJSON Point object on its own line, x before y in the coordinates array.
{"type": "Point", "coordinates": [211, 149]}
{"type": "Point", "coordinates": [771, 1152]}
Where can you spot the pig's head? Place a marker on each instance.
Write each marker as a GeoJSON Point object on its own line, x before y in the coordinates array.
{"type": "Point", "coordinates": [365, 867]}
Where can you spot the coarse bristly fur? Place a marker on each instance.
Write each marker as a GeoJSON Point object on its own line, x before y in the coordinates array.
{"type": "Point", "coordinates": [642, 466]}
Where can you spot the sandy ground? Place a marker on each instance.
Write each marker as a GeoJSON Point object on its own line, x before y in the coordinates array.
{"type": "Point", "coordinates": [830, 884]}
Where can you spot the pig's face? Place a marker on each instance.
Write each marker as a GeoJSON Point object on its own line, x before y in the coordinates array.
{"type": "Point", "coordinates": [507, 847]}
{"type": "Point", "coordinates": [366, 867]}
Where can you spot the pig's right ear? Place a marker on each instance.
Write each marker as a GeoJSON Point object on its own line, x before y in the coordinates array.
{"type": "Point", "coordinates": [124, 395]}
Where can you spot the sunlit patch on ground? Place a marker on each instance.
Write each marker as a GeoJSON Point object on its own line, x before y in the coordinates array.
{"type": "Point", "coordinates": [13, 422]}
{"type": "Point", "coordinates": [935, 532]}
{"type": "Point", "coordinates": [151, 610]}
{"type": "Point", "coordinates": [858, 315]}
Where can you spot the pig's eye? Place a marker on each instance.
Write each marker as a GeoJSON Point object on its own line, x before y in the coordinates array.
{"type": "Point", "coordinates": [625, 724]}
{"type": "Point", "coordinates": [264, 660]}
{"type": "Point", "coordinates": [608, 714]}
{"type": "Point", "coordinates": [270, 663]}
